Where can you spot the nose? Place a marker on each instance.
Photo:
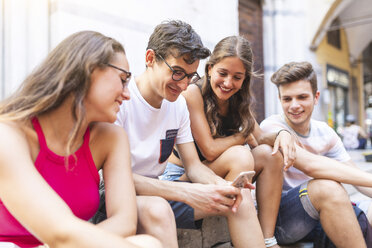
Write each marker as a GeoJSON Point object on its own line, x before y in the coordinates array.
{"type": "Point", "coordinates": [294, 104]}
{"type": "Point", "coordinates": [183, 83]}
{"type": "Point", "coordinates": [227, 82]}
{"type": "Point", "coordinates": [125, 93]}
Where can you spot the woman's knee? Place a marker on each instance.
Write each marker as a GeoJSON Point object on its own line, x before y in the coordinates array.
{"type": "Point", "coordinates": [264, 158]}
{"type": "Point", "coordinates": [240, 157]}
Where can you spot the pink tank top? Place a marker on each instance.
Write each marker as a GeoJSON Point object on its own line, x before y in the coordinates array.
{"type": "Point", "coordinates": [76, 183]}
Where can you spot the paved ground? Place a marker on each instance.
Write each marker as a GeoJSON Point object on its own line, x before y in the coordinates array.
{"type": "Point", "coordinates": [358, 158]}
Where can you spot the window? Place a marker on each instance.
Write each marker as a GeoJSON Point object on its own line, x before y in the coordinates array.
{"type": "Point", "coordinates": [333, 35]}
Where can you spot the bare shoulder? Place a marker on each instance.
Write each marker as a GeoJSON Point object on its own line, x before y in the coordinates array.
{"type": "Point", "coordinates": [14, 140]}
{"type": "Point", "coordinates": [12, 132]}
{"type": "Point", "coordinates": [192, 92]}
{"type": "Point", "coordinates": [105, 139]}
{"type": "Point", "coordinates": [104, 130]}
{"type": "Point", "coordinates": [193, 96]}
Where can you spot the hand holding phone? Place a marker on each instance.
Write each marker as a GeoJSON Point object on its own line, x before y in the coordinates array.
{"type": "Point", "coordinates": [242, 179]}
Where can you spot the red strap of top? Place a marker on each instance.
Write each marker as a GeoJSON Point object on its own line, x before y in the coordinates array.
{"type": "Point", "coordinates": [42, 140]}
{"type": "Point", "coordinates": [39, 132]}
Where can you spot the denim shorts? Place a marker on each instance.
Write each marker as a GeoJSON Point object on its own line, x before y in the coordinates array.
{"type": "Point", "coordinates": [298, 220]}
{"type": "Point", "coordinates": [172, 172]}
{"type": "Point", "coordinates": [297, 216]}
{"type": "Point", "coordinates": [183, 213]}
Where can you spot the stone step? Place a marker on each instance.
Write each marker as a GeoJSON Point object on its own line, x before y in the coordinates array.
{"type": "Point", "coordinates": [214, 233]}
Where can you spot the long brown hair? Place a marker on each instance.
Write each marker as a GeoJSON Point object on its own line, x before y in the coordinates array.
{"type": "Point", "coordinates": [66, 71]}
{"type": "Point", "coordinates": [239, 103]}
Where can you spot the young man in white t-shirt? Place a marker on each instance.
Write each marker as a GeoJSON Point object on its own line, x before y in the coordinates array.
{"type": "Point", "coordinates": [312, 194]}
{"type": "Point", "coordinates": [155, 118]}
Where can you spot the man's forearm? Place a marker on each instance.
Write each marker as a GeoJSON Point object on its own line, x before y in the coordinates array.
{"type": "Point", "coordinates": [321, 167]}
{"type": "Point", "coordinates": [365, 190]}
{"type": "Point", "coordinates": [201, 173]}
{"type": "Point", "coordinates": [154, 187]}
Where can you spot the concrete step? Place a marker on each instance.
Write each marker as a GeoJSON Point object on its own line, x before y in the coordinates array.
{"type": "Point", "coordinates": [214, 233]}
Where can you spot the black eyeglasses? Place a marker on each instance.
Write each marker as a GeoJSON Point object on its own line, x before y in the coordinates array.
{"type": "Point", "coordinates": [178, 75]}
{"type": "Point", "coordinates": [125, 77]}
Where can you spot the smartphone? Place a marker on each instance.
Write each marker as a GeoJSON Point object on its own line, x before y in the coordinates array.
{"type": "Point", "coordinates": [242, 179]}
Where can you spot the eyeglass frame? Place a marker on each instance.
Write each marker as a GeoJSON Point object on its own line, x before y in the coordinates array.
{"type": "Point", "coordinates": [127, 73]}
{"type": "Point", "coordinates": [189, 76]}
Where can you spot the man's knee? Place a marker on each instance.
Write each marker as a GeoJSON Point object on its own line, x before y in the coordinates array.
{"type": "Point", "coordinates": [152, 209]}
{"type": "Point", "coordinates": [323, 191]}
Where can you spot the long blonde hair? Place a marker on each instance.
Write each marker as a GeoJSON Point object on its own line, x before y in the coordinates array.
{"type": "Point", "coordinates": [239, 103]}
{"type": "Point", "coordinates": [66, 71]}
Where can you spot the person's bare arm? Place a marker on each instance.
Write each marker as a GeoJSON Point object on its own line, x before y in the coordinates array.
{"type": "Point", "coordinates": [208, 198]}
{"type": "Point", "coordinates": [364, 190]}
{"type": "Point", "coordinates": [282, 140]}
{"type": "Point", "coordinates": [120, 195]}
{"type": "Point", "coordinates": [46, 216]}
{"type": "Point", "coordinates": [322, 167]}
{"type": "Point", "coordinates": [207, 192]}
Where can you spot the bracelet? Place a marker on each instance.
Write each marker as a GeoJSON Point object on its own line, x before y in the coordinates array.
{"type": "Point", "coordinates": [277, 134]}
{"type": "Point", "coordinates": [270, 241]}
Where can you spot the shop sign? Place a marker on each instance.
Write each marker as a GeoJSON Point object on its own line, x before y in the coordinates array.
{"type": "Point", "coordinates": [337, 76]}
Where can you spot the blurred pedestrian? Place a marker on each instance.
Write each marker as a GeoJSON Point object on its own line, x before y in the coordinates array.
{"type": "Point", "coordinates": [353, 136]}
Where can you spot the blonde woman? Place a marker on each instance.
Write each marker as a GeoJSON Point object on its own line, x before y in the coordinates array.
{"type": "Point", "coordinates": [55, 136]}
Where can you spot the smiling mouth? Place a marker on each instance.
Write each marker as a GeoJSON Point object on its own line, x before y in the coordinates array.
{"type": "Point", "coordinates": [225, 89]}
{"type": "Point", "coordinates": [174, 91]}
{"type": "Point", "coordinates": [296, 114]}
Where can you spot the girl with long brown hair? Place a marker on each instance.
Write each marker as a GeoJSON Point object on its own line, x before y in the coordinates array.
{"type": "Point", "coordinates": [222, 124]}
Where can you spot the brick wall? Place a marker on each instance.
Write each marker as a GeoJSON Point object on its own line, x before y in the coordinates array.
{"type": "Point", "coordinates": [250, 27]}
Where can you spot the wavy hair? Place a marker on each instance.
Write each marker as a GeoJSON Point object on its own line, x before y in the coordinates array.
{"type": "Point", "coordinates": [65, 72]}
{"type": "Point", "coordinates": [239, 103]}
{"type": "Point", "coordinates": [295, 71]}
{"type": "Point", "coordinates": [177, 38]}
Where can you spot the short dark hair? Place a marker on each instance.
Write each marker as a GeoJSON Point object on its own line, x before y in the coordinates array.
{"type": "Point", "coordinates": [177, 38]}
{"type": "Point", "coordinates": [295, 71]}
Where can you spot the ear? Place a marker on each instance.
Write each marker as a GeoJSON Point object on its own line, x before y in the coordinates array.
{"type": "Point", "coordinates": [316, 97]}
{"type": "Point", "coordinates": [150, 57]}
{"type": "Point", "coordinates": [209, 70]}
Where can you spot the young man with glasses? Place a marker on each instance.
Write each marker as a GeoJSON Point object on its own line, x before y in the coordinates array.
{"type": "Point", "coordinates": [156, 118]}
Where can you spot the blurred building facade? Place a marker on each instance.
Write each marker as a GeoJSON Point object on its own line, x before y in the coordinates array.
{"type": "Point", "coordinates": [334, 35]}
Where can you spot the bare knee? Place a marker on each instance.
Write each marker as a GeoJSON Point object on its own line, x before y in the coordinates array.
{"type": "Point", "coordinates": [145, 241]}
{"type": "Point", "coordinates": [327, 192]}
{"type": "Point", "coordinates": [154, 212]}
{"type": "Point", "coordinates": [240, 158]}
{"type": "Point", "coordinates": [264, 159]}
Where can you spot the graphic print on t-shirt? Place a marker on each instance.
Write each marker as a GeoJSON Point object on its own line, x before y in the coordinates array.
{"type": "Point", "coordinates": [166, 145]}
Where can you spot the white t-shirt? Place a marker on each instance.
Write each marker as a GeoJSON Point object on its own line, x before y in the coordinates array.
{"type": "Point", "coordinates": [322, 140]}
{"type": "Point", "coordinates": [153, 132]}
